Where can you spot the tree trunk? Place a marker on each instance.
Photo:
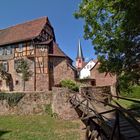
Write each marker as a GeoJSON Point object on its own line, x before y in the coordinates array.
{"type": "Point", "coordinates": [23, 85]}
{"type": "Point", "coordinates": [117, 85]}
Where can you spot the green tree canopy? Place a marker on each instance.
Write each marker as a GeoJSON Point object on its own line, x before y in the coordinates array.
{"type": "Point", "coordinates": [114, 29]}
{"type": "Point", "coordinates": [24, 69]}
{"type": "Point", "coordinates": [6, 76]}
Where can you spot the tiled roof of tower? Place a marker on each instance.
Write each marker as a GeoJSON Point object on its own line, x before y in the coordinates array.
{"type": "Point", "coordinates": [80, 52]}
{"type": "Point", "coordinates": [22, 32]}
{"type": "Point", "coordinates": [58, 52]}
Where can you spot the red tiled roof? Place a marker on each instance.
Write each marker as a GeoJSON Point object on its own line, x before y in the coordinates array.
{"type": "Point", "coordinates": [22, 32]}
{"type": "Point", "coordinates": [58, 52]}
{"type": "Point", "coordinates": [95, 60]}
{"type": "Point", "coordinates": [95, 65]}
{"type": "Point", "coordinates": [84, 64]}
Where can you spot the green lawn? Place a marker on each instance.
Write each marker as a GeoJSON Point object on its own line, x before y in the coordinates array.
{"type": "Point", "coordinates": [134, 94]}
{"type": "Point", "coordinates": [127, 104]}
{"type": "Point", "coordinates": [38, 128]}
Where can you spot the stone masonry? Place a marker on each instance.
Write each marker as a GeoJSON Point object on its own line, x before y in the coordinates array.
{"type": "Point", "coordinates": [102, 79]}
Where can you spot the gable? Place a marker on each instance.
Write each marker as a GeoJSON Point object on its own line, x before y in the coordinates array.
{"type": "Point", "coordinates": [95, 66]}
{"type": "Point", "coordinates": [89, 65]}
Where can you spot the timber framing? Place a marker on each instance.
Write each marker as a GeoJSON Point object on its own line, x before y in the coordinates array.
{"type": "Point", "coordinates": [34, 41]}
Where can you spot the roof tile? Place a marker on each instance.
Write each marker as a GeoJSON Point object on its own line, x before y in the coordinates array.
{"type": "Point", "coordinates": [22, 32]}
{"type": "Point", "coordinates": [57, 51]}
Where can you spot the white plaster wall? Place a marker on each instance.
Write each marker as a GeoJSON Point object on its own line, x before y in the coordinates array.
{"type": "Point", "coordinates": [85, 72]}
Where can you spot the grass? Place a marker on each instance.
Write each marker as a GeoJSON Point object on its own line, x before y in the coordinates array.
{"type": "Point", "coordinates": [135, 94]}
{"type": "Point", "coordinates": [38, 128]}
{"type": "Point", "coordinates": [127, 104]}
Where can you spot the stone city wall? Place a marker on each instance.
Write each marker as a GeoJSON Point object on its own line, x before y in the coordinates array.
{"type": "Point", "coordinates": [31, 103]}
{"type": "Point", "coordinates": [36, 103]}
{"type": "Point", "coordinates": [61, 105]}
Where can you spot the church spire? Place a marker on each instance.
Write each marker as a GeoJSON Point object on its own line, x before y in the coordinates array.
{"type": "Point", "coordinates": [80, 57]}
{"type": "Point", "coordinates": [80, 52]}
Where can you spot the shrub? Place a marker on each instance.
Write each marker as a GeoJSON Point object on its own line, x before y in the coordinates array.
{"type": "Point", "coordinates": [70, 85]}
{"type": "Point", "coordinates": [48, 110]}
{"type": "Point", "coordinates": [12, 98]}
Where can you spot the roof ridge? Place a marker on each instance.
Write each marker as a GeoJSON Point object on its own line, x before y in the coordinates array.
{"type": "Point", "coordinates": [25, 22]}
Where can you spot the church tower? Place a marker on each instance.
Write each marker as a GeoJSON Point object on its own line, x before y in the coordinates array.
{"type": "Point", "coordinates": [80, 57]}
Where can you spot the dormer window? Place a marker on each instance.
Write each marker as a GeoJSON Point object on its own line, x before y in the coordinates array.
{"type": "Point", "coordinates": [20, 47]}
{"type": "Point", "coordinates": [1, 51]}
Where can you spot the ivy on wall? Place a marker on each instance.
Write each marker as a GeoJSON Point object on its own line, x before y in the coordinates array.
{"type": "Point", "coordinates": [12, 98]}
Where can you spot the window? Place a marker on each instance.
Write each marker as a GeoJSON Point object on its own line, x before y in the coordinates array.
{"type": "Point", "coordinates": [1, 51]}
{"type": "Point", "coordinates": [0, 83]}
{"type": "Point", "coordinates": [50, 65]}
{"type": "Point", "coordinates": [16, 82]}
{"type": "Point", "coordinates": [15, 64]}
{"type": "Point", "coordinates": [79, 61]}
{"type": "Point", "coordinates": [20, 47]}
{"type": "Point", "coordinates": [42, 49]}
{"type": "Point", "coordinates": [50, 49]}
{"type": "Point", "coordinates": [31, 47]}
{"type": "Point", "coordinates": [93, 83]}
{"type": "Point", "coordinates": [9, 50]}
{"type": "Point", "coordinates": [5, 66]}
{"type": "Point", "coordinates": [41, 64]}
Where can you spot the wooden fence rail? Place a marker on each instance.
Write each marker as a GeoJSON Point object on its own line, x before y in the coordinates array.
{"type": "Point", "coordinates": [122, 126]}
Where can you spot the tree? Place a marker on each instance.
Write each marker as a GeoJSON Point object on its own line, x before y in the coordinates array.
{"type": "Point", "coordinates": [24, 69]}
{"type": "Point", "coordinates": [114, 29]}
{"type": "Point", "coordinates": [6, 76]}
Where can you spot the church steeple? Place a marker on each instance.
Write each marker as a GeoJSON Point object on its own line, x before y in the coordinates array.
{"type": "Point", "coordinates": [80, 52]}
{"type": "Point", "coordinates": [80, 57]}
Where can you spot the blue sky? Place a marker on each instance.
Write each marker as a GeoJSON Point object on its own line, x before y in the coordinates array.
{"type": "Point", "coordinates": [68, 30]}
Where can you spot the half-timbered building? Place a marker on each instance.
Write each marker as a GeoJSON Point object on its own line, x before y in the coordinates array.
{"type": "Point", "coordinates": [35, 42]}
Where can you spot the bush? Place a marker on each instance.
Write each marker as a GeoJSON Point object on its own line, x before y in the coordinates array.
{"type": "Point", "coordinates": [70, 85]}
{"type": "Point", "coordinates": [48, 110]}
{"type": "Point", "coordinates": [12, 98]}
